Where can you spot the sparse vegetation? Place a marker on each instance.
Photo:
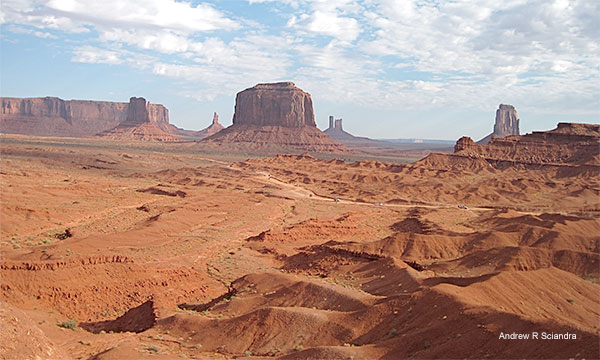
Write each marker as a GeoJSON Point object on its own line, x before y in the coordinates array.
{"type": "Point", "coordinates": [69, 324]}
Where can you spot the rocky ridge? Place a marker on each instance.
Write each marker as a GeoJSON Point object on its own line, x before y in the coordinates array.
{"type": "Point", "coordinates": [568, 144]}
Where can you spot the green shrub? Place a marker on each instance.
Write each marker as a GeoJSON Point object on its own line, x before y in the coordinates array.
{"type": "Point", "coordinates": [69, 324]}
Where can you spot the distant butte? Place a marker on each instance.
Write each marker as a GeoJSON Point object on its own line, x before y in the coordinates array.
{"type": "Point", "coordinates": [143, 122]}
{"type": "Point", "coordinates": [336, 132]}
{"type": "Point", "coordinates": [274, 117]}
{"type": "Point", "coordinates": [214, 128]}
{"type": "Point", "coordinates": [506, 124]}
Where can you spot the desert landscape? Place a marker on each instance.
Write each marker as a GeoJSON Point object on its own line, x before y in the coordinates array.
{"type": "Point", "coordinates": [299, 179]}
{"type": "Point", "coordinates": [134, 243]}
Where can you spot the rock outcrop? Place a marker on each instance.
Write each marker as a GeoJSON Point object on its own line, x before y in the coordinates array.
{"type": "Point", "coordinates": [463, 143]}
{"type": "Point", "coordinates": [272, 118]}
{"type": "Point", "coordinates": [144, 121]}
{"type": "Point", "coordinates": [51, 116]}
{"type": "Point", "coordinates": [506, 124]}
{"type": "Point", "coordinates": [214, 128]}
{"type": "Point", "coordinates": [336, 131]}
{"type": "Point", "coordinates": [569, 144]}
{"type": "Point", "coordinates": [193, 135]}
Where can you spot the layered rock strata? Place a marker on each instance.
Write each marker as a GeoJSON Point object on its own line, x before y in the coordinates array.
{"type": "Point", "coordinates": [568, 144]}
{"type": "Point", "coordinates": [51, 116]}
{"type": "Point", "coordinates": [274, 117]}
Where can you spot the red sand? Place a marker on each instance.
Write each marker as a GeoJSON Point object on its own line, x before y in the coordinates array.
{"type": "Point", "coordinates": [173, 254]}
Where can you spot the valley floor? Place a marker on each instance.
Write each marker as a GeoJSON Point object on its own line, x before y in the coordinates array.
{"type": "Point", "coordinates": [129, 251]}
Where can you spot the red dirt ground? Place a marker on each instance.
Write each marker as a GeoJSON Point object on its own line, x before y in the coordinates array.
{"type": "Point", "coordinates": [157, 251]}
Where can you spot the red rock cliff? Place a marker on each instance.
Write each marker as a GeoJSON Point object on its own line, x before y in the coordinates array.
{"type": "Point", "coordinates": [52, 116]}
{"type": "Point", "coordinates": [277, 104]}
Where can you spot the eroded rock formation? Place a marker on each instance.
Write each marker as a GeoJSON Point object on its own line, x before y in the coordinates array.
{"type": "Point", "coordinates": [144, 121]}
{"type": "Point", "coordinates": [507, 121]}
{"type": "Point", "coordinates": [274, 117]}
{"type": "Point", "coordinates": [506, 124]}
{"type": "Point", "coordinates": [336, 131]}
{"type": "Point", "coordinates": [463, 143]}
{"type": "Point", "coordinates": [51, 116]}
{"type": "Point", "coordinates": [214, 128]}
{"type": "Point", "coordinates": [568, 144]}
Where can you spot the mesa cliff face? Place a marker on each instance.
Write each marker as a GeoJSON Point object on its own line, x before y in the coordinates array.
{"type": "Point", "coordinates": [275, 117]}
{"type": "Point", "coordinates": [277, 104]}
{"type": "Point", "coordinates": [51, 116]}
{"type": "Point", "coordinates": [506, 124]}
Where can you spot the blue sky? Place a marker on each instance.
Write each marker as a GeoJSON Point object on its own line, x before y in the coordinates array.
{"type": "Point", "coordinates": [389, 68]}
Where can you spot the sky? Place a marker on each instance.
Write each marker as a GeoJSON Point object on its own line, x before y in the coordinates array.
{"type": "Point", "coordinates": [429, 69]}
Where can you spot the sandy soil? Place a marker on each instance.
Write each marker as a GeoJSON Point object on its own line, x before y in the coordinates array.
{"type": "Point", "coordinates": [127, 250]}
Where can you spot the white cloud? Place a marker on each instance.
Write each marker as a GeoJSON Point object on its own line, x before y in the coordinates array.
{"type": "Point", "coordinates": [24, 30]}
{"type": "Point", "coordinates": [164, 41]}
{"type": "Point", "coordinates": [328, 23]}
{"type": "Point", "coordinates": [94, 55]}
{"type": "Point", "coordinates": [394, 54]}
{"type": "Point", "coordinates": [168, 14]}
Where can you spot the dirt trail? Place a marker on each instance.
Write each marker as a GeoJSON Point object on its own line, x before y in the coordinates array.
{"type": "Point", "coordinates": [297, 191]}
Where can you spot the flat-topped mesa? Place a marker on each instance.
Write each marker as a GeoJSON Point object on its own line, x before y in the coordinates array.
{"type": "Point", "coordinates": [277, 104]}
{"type": "Point", "coordinates": [48, 106]}
{"type": "Point", "coordinates": [507, 121]}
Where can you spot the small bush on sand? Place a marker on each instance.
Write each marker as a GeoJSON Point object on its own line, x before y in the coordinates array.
{"type": "Point", "coordinates": [69, 324]}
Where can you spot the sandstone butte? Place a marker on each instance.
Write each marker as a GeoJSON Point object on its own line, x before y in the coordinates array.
{"type": "Point", "coordinates": [144, 121]}
{"type": "Point", "coordinates": [506, 124]}
{"type": "Point", "coordinates": [51, 116]}
{"type": "Point", "coordinates": [336, 132]}
{"type": "Point", "coordinates": [274, 117]}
